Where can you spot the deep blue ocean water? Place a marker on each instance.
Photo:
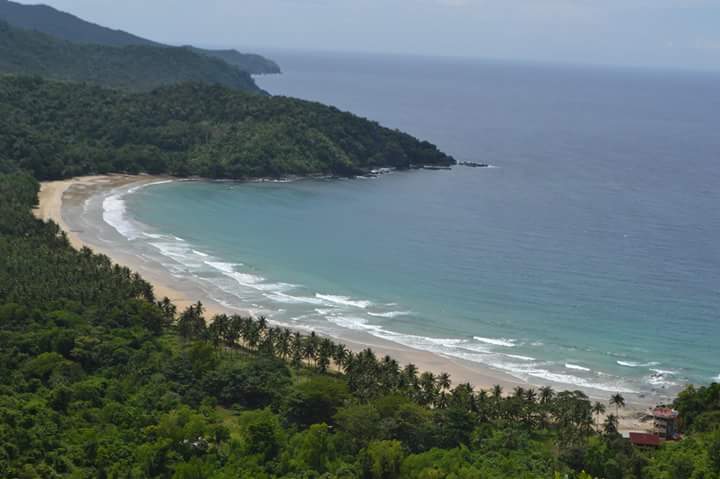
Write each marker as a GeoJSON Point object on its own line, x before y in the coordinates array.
{"type": "Point", "coordinates": [588, 255]}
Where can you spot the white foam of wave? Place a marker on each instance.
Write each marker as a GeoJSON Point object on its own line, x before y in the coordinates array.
{"type": "Point", "coordinates": [344, 300]}
{"type": "Point", "coordinates": [633, 364]}
{"type": "Point", "coordinates": [390, 314]}
{"type": "Point", "coordinates": [178, 252]}
{"type": "Point", "coordinates": [664, 371]}
{"type": "Point", "coordinates": [246, 279]}
{"type": "Point", "coordinates": [469, 351]}
{"type": "Point", "coordinates": [476, 348]}
{"type": "Point", "coordinates": [353, 323]}
{"type": "Point", "coordinates": [509, 343]}
{"type": "Point", "coordinates": [576, 367]}
{"type": "Point", "coordinates": [660, 380]}
{"type": "Point", "coordinates": [520, 357]}
{"type": "Point", "coordinates": [280, 297]}
{"type": "Point", "coordinates": [200, 253]}
{"type": "Point", "coordinates": [115, 211]}
{"type": "Point", "coordinates": [717, 378]}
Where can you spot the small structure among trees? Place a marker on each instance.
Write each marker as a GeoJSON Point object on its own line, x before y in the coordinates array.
{"type": "Point", "coordinates": [665, 422]}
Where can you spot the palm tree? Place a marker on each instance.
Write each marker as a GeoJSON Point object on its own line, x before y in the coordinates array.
{"type": "Point", "coordinates": [410, 373]}
{"type": "Point", "coordinates": [519, 392]}
{"type": "Point", "coordinates": [497, 391]}
{"type": "Point", "coordinates": [530, 395]}
{"type": "Point", "coordinates": [390, 374]}
{"type": "Point", "coordinates": [611, 424]}
{"type": "Point", "coordinates": [443, 381]}
{"type": "Point", "coordinates": [340, 355]}
{"type": "Point", "coordinates": [618, 401]}
{"type": "Point", "coordinates": [262, 324]}
{"type": "Point", "coordinates": [427, 387]}
{"type": "Point", "coordinates": [598, 409]}
{"type": "Point", "coordinates": [283, 344]}
{"type": "Point", "coordinates": [546, 394]}
{"type": "Point", "coordinates": [169, 310]}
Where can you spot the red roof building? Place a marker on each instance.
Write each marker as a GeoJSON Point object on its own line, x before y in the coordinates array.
{"type": "Point", "coordinates": [644, 439]}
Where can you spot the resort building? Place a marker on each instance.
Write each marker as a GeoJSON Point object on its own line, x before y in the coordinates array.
{"type": "Point", "coordinates": [665, 422]}
{"type": "Point", "coordinates": [643, 439]}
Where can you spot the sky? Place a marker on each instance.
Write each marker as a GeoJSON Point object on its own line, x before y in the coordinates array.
{"type": "Point", "coordinates": [649, 33]}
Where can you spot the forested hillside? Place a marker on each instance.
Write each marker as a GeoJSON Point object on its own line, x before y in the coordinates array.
{"type": "Point", "coordinates": [45, 19]}
{"type": "Point", "coordinates": [100, 379]}
{"type": "Point", "coordinates": [56, 130]}
{"type": "Point", "coordinates": [133, 67]}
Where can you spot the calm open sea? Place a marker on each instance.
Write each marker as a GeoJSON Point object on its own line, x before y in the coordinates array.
{"type": "Point", "coordinates": [589, 255]}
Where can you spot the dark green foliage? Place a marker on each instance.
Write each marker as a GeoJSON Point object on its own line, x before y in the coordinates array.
{"type": "Point", "coordinates": [26, 52]}
{"type": "Point", "coordinates": [57, 130]}
{"type": "Point", "coordinates": [699, 407]}
{"type": "Point", "coordinates": [68, 27]}
{"type": "Point", "coordinates": [99, 380]}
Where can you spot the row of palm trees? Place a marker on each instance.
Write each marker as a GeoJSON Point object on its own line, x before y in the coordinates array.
{"type": "Point", "coordinates": [369, 377]}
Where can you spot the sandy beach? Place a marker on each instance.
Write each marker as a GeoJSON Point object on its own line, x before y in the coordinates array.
{"type": "Point", "coordinates": [56, 198]}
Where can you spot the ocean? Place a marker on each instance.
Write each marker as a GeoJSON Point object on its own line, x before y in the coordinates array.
{"type": "Point", "coordinates": [587, 256]}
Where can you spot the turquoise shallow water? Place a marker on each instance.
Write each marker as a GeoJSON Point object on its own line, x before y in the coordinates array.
{"type": "Point", "coordinates": [588, 256]}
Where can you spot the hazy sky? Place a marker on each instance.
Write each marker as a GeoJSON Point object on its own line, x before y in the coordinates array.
{"type": "Point", "coordinates": [680, 33]}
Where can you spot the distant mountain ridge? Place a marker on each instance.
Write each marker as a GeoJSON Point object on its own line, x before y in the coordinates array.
{"type": "Point", "coordinates": [135, 67]}
{"type": "Point", "coordinates": [51, 21]}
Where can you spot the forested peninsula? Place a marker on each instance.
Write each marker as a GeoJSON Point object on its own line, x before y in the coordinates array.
{"type": "Point", "coordinates": [136, 67]}
{"type": "Point", "coordinates": [57, 130]}
{"type": "Point", "coordinates": [62, 25]}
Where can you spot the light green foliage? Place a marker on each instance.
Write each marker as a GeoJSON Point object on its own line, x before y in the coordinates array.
{"type": "Point", "coordinates": [382, 459]}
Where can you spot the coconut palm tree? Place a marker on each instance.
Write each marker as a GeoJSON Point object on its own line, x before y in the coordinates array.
{"type": "Point", "coordinates": [598, 409]}
{"type": "Point", "coordinates": [389, 374]}
{"type": "Point", "coordinates": [618, 401]}
{"type": "Point", "coordinates": [427, 387]}
{"type": "Point", "coordinates": [610, 426]}
{"type": "Point", "coordinates": [443, 381]}
{"type": "Point", "coordinates": [410, 372]}
{"type": "Point", "coordinates": [546, 394]}
{"type": "Point", "coordinates": [497, 392]}
{"type": "Point", "coordinates": [340, 355]}
{"type": "Point", "coordinates": [283, 344]}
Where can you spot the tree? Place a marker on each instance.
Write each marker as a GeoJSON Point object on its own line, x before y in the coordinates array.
{"type": "Point", "coordinates": [546, 394]}
{"type": "Point", "coordinates": [315, 401]}
{"type": "Point", "coordinates": [443, 381]}
{"type": "Point", "coordinates": [598, 410]}
{"type": "Point", "coordinates": [382, 460]}
{"type": "Point", "coordinates": [618, 401]}
{"type": "Point", "coordinates": [262, 433]}
{"type": "Point", "coordinates": [191, 324]}
{"type": "Point", "coordinates": [610, 426]}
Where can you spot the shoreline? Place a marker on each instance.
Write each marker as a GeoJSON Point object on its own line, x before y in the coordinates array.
{"type": "Point", "coordinates": [56, 197]}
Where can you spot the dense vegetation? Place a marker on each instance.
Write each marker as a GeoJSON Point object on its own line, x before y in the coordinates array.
{"type": "Point", "coordinates": [56, 130]}
{"type": "Point", "coordinates": [132, 67]}
{"type": "Point", "coordinates": [102, 380]}
{"type": "Point", "coordinates": [68, 27]}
